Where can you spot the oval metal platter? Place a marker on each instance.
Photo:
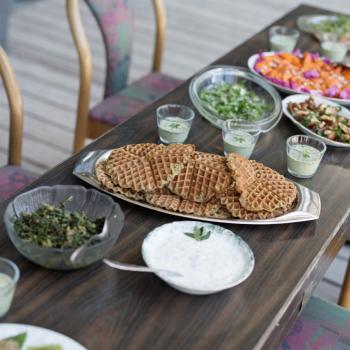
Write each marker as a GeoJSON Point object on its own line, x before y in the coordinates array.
{"type": "Point", "coordinates": [307, 208]}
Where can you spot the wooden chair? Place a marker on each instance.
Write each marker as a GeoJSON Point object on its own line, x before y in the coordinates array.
{"type": "Point", "coordinates": [344, 299]}
{"type": "Point", "coordinates": [114, 18]}
{"type": "Point", "coordinates": [12, 176]}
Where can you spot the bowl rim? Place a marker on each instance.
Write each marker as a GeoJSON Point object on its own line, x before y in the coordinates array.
{"type": "Point", "coordinates": [114, 204]}
{"type": "Point", "coordinates": [243, 72]}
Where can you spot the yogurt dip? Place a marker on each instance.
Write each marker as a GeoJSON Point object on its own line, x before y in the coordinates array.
{"type": "Point", "coordinates": [303, 160]}
{"type": "Point", "coordinates": [173, 130]}
{"type": "Point", "coordinates": [280, 42]}
{"type": "Point", "coordinates": [240, 142]}
{"type": "Point", "coordinates": [6, 293]}
{"type": "Point", "coordinates": [217, 262]}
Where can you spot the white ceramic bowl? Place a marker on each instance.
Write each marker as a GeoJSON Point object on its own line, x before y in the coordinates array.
{"type": "Point", "coordinates": [319, 100]}
{"type": "Point", "coordinates": [251, 64]}
{"type": "Point", "coordinates": [159, 236]}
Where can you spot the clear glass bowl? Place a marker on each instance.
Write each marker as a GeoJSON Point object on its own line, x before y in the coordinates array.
{"type": "Point", "coordinates": [93, 203]}
{"type": "Point", "coordinates": [213, 75]}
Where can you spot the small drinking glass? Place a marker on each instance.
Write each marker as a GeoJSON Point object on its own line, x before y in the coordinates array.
{"type": "Point", "coordinates": [239, 137]}
{"type": "Point", "coordinates": [304, 155]}
{"type": "Point", "coordinates": [9, 275]}
{"type": "Point", "coordinates": [335, 51]}
{"type": "Point", "coordinates": [174, 123]}
{"type": "Point", "coordinates": [283, 38]}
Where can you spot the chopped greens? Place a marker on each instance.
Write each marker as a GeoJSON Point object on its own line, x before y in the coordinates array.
{"type": "Point", "coordinates": [199, 233]}
{"type": "Point", "coordinates": [174, 125]}
{"type": "Point", "coordinates": [55, 227]}
{"type": "Point", "coordinates": [234, 100]}
{"type": "Point", "coordinates": [340, 25]}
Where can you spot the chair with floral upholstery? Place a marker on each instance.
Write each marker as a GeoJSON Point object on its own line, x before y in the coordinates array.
{"type": "Point", "coordinates": [12, 176]}
{"type": "Point", "coordinates": [321, 326]}
{"type": "Point", "coordinates": [121, 101]}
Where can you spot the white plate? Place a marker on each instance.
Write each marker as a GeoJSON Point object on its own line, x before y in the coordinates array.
{"type": "Point", "coordinates": [243, 255]}
{"type": "Point", "coordinates": [37, 336]}
{"type": "Point", "coordinates": [319, 100]}
{"type": "Point", "coordinates": [251, 63]}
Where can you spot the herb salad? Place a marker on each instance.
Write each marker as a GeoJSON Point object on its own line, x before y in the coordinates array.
{"type": "Point", "coordinates": [234, 100]}
{"type": "Point", "coordinates": [55, 227]}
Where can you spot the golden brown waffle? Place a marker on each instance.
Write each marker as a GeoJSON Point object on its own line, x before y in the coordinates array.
{"type": "Point", "coordinates": [213, 160]}
{"type": "Point", "coordinates": [166, 166]}
{"type": "Point", "coordinates": [135, 174]}
{"type": "Point", "coordinates": [264, 173]}
{"type": "Point", "coordinates": [259, 197]}
{"type": "Point", "coordinates": [206, 182]}
{"type": "Point", "coordinates": [165, 201]}
{"type": "Point", "coordinates": [284, 189]}
{"type": "Point", "coordinates": [242, 171]}
{"type": "Point", "coordinates": [199, 209]}
{"type": "Point", "coordinates": [182, 182]}
{"type": "Point", "coordinates": [118, 157]}
{"type": "Point", "coordinates": [143, 149]}
{"type": "Point", "coordinates": [106, 181]}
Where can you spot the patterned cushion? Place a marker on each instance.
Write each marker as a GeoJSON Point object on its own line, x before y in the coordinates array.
{"type": "Point", "coordinates": [12, 179]}
{"type": "Point", "coordinates": [321, 326]}
{"type": "Point", "coordinates": [115, 19]}
{"type": "Point", "coordinates": [115, 109]}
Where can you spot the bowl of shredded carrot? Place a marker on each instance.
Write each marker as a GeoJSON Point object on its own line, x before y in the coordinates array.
{"type": "Point", "coordinates": [303, 72]}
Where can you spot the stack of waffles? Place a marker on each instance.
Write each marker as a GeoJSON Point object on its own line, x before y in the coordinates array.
{"type": "Point", "coordinates": [179, 178]}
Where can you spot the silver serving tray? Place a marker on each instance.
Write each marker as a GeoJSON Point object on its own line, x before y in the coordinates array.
{"type": "Point", "coordinates": [307, 208]}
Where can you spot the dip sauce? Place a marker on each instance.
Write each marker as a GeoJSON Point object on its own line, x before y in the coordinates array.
{"type": "Point", "coordinates": [285, 43]}
{"type": "Point", "coordinates": [240, 142]}
{"type": "Point", "coordinates": [303, 160]}
{"type": "Point", "coordinates": [335, 51]}
{"type": "Point", "coordinates": [6, 293]}
{"type": "Point", "coordinates": [173, 130]}
{"type": "Point", "coordinates": [206, 264]}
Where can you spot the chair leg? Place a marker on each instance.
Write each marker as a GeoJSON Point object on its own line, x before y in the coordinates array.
{"type": "Point", "coordinates": [344, 299]}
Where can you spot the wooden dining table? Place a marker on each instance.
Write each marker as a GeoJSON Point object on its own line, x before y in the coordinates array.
{"type": "Point", "coordinates": [103, 308]}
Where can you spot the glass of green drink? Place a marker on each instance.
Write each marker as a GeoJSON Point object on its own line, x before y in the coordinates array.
{"type": "Point", "coordinates": [239, 137]}
{"type": "Point", "coordinates": [174, 123]}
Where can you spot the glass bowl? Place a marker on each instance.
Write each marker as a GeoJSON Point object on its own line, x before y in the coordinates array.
{"type": "Point", "coordinates": [93, 203]}
{"type": "Point", "coordinates": [213, 75]}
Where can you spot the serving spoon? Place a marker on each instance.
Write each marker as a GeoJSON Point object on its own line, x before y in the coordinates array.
{"type": "Point", "coordinates": [117, 264]}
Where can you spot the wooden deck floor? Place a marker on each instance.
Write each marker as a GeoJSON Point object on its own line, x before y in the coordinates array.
{"type": "Point", "coordinates": [45, 61]}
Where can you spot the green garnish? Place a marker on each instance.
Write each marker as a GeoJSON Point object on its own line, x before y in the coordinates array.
{"type": "Point", "coordinates": [18, 339]}
{"type": "Point", "coordinates": [174, 125]}
{"type": "Point", "coordinates": [234, 100]}
{"type": "Point", "coordinates": [306, 154]}
{"type": "Point", "coordinates": [199, 234]}
{"type": "Point", "coordinates": [239, 139]}
{"type": "Point", "coordinates": [55, 227]}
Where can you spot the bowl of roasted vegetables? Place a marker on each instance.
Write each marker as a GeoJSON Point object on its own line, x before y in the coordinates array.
{"type": "Point", "coordinates": [220, 93]}
{"type": "Point", "coordinates": [318, 117]}
{"type": "Point", "coordinates": [47, 224]}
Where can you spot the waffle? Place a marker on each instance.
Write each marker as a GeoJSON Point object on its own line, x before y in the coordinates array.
{"type": "Point", "coordinates": [135, 174]}
{"type": "Point", "coordinates": [206, 182]}
{"type": "Point", "coordinates": [259, 197]}
{"type": "Point", "coordinates": [213, 160]}
{"type": "Point", "coordinates": [118, 157]}
{"type": "Point", "coordinates": [263, 173]}
{"type": "Point", "coordinates": [143, 149]}
{"type": "Point", "coordinates": [106, 181]}
{"type": "Point", "coordinates": [166, 166]}
{"type": "Point", "coordinates": [182, 182]}
{"type": "Point", "coordinates": [242, 171]}
{"type": "Point", "coordinates": [200, 209]}
{"type": "Point", "coordinates": [165, 201]}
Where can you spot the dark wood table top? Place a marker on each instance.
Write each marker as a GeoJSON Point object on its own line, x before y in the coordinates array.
{"type": "Point", "coordinates": [107, 309]}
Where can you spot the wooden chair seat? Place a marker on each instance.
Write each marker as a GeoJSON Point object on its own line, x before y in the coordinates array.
{"type": "Point", "coordinates": [12, 179]}
{"type": "Point", "coordinates": [321, 325]}
{"type": "Point", "coordinates": [119, 107]}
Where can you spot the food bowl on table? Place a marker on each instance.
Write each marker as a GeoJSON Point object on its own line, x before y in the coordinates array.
{"type": "Point", "coordinates": [325, 120]}
{"type": "Point", "coordinates": [218, 76]}
{"type": "Point", "coordinates": [94, 204]}
{"type": "Point", "coordinates": [303, 74]}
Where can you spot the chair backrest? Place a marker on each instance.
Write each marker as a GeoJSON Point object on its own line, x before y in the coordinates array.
{"type": "Point", "coordinates": [115, 20]}
{"type": "Point", "coordinates": [16, 109]}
